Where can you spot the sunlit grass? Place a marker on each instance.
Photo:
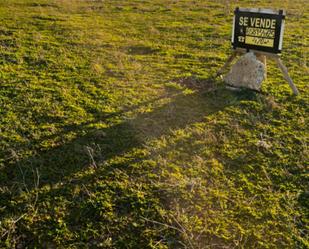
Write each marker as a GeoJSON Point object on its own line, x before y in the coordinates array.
{"type": "Point", "coordinates": [114, 133]}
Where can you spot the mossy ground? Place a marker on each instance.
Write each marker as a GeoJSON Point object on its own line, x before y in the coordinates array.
{"type": "Point", "coordinates": [114, 133]}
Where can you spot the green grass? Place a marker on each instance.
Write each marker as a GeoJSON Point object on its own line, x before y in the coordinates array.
{"type": "Point", "coordinates": [114, 133]}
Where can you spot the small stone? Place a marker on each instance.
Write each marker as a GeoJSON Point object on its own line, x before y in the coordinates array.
{"type": "Point", "coordinates": [247, 72]}
{"type": "Point", "coordinates": [263, 144]}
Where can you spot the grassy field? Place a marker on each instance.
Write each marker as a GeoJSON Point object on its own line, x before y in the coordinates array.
{"type": "Point", "coordinates": [115, 134]}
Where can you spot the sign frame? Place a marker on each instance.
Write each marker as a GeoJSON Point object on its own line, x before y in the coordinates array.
{"type": "Point", "coordinates": [269, 39]}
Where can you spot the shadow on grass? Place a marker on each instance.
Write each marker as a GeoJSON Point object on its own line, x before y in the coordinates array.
{"type": "Point", "coordinates": [98, 145]}
{"type": "Point", "coordinates": [116, 203]}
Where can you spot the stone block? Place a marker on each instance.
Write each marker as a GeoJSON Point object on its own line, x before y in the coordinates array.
{"type": "Point", "coordinates": [247, 72]}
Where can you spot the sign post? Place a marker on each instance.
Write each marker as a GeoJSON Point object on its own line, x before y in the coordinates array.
{"type": "Point", "coordinates": [259, 31]}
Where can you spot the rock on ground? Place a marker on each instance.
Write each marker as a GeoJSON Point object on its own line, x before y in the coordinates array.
{"type": "Point", "coordinates": [247, 72]}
